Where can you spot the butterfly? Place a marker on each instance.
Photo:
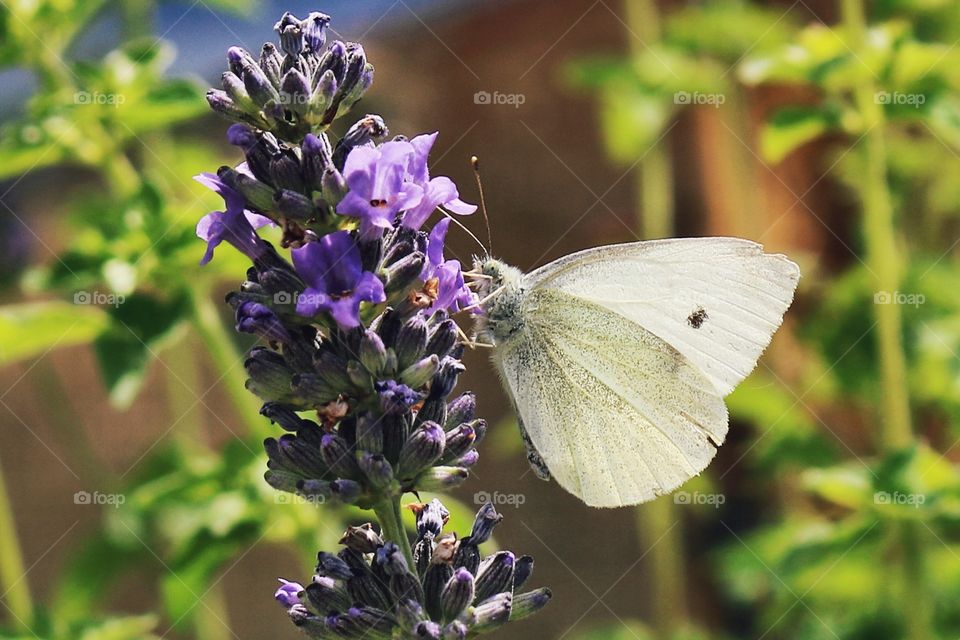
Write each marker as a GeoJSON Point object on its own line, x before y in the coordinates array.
{"type": "Point", "coordinates": [617, 359]}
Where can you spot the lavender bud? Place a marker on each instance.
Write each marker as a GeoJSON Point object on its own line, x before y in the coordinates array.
{"type": "Point", "coordinates": [485, 522]}
{"type": "Point", "coordinates": [282, 480]}
{"type": "Point", "coordinates": [295, 91]}
{"type": "Point", "coordinates": [420, 373]}
{"type": "Point", "coordinates": [456, 630]}
{"type": "Point", "coordinates": [432, 410]}
{"type": "Point", "coordinates": [444, 338]}
{"type": "Point", "coordinates": [311, 389]}
{"type": "Point", "coordinates": [373, 354]}
{"type": "Point", "coordinates": [522, 571]}
{"type": "Point", "coordinates": [315, 152]}
{"type": "Point", "coordinates": [411, 341]}
{"type": "Point", "coordinates": [220, 102]}
{"type": "Point", "coordinates": [286, 417]}
{"type": "Point", "coordinates": [347, 491]}
{"type": "Point", "coordinates": [334, 61]}
{"type": "Point", "coordinates": [240, 135]}
{"type": "Point", "coordinates": [457, 595]}
{"type": "Point", "coordinates": [331, 566]}
{"type": "Point", "coordinates": [367, 622]}
{"type": "Point", "coordinates": [409, 614]}
{"type": "Point", "coordinates": [236, 57]}
{"type": "Point", "coordinates": [369, 434]}
{"type": "Point", "coordinates": [495, 575]}
{"type": "Point", "coordinates": [270, 62]}
{"type": "Point", "coordinates": [526, 604]}
{"type": "Point", "coordinates": [365, 131]}
{"type": "Point", "coordinates": [493, 612]}
{"type": "Point", "coordinates": [313, 488]}
{"type": "Point", "coordinates": [333, 186]}
{"type": "Point", "coordinates": [468, 459]}
{"type": "Point", "coordinates": [435, 579]}
{"type": "Point", "coordinates": [391, 560]}
{"type": "Point", "coordinates": [314, 31]}
{"type": "Point", "coordinates": [258, 86]}
{"type": "Point", "coordinates": [423, 448]}
{"type": "Point", "coordinates": [294, 205]}
{"type": "Point", "coordinates": [377, 469]}
{"type": "Point", "coordinates": [324, 595]}
{"type": "Point", "coordinates": [362, 539]}
{"type": "Point", "coordinates": [285, 171]}
{"type": "Point", "coordinates": [233, 87]}
{"type": "Point", "coordinates": [462, 409]}
{"type": "Point", "coordinates": [441, 478]}
{"type": "Point", "coordinates": [269, 375]}
{"type": "Point", "coordinates": [257, 194]}
{"type": "Point", "coordinates": [338, 456]}
{"type": "Point", "coordinates": [325, 88]}
{"type": "Point", "coordinates": [431, 517]}
{"type": "Point", "coordinates": [459, 442]}
{"type": "Point", "coordinates": [291, 34]}
{"type": "Point", "coordinates": [446, 378]}
{"type": "Point", "coordinates": [402, 273]}
{"type": "Point", "coordinates": [332, 368]}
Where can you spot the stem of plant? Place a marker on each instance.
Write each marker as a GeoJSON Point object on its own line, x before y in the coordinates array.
{"type": "Point", "coordinates": [388, 514]}
{"type": "Point", "coordinates": [885, 261]}
{"type": "Point", "coordinates": [13, 580]}
{"type": "Point", "coordinates": [654, 180]}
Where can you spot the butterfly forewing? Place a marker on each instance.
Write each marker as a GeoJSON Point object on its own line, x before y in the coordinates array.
{"type": "Point", "coordinates": [716, 300]}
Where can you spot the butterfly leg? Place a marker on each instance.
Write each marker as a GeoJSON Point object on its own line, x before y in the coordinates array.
{"type": "Point", "coordinates": [533, 456]}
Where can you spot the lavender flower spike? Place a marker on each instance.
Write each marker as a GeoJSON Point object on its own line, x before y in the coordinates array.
{"type": "Point", "coordinates": [336, 282]}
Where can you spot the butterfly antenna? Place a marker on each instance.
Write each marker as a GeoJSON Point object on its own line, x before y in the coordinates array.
{"type": "Point", "coordinates": [475, 162]}
{"type": "Point", "coordinates": [460, 224]}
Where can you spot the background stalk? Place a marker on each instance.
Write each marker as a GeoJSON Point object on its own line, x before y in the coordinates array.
{"type": "Point", "coordinates": [13, 581]}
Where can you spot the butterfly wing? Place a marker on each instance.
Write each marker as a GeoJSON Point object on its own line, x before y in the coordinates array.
{"type": "Point", "coordinates": [618, 415]}
{"type": "Point", "coordinates": [718, 301]}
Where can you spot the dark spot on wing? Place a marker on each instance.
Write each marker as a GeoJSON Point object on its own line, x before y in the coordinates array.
{"type": "Point", "coordinates": [697, 318]}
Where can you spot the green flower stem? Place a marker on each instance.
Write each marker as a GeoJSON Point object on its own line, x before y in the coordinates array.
{"type": "Point", "coordinates": [654, 180]}
{"type": "Point", "coordinates": [387, 511]}
{"type": "Point", "coordinates": [883, 255]}
{"type": "Point", "coordinates": [885, 261]}
{"type": "Point", "coordinates": [13, 581]}
{"type": "Point", "coordinates": [227, 358]}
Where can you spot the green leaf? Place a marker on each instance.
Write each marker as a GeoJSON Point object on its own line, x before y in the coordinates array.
{"type": "Point", "coordinates": [140, 327]}
{"type": "Point", "coordinates": [32, 329]}
{"type": "Point", "coordinates": [790, 128]}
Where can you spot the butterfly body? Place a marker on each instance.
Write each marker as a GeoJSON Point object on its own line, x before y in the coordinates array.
{"type": "Point", "coordinates": [617, 358]}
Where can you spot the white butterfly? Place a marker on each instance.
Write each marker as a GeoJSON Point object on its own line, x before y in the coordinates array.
{"type": "Point", "coordinates": [617, 358]}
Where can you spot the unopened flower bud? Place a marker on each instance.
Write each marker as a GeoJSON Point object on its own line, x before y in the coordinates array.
{"type": "Point", "coordinates": [377, 469]}
{"type": "Point", "coordinates": [362, 539]}
{"type": "Point", "coordinates": [495, 575]}
{"type": "Point", "coordinates": [457, 594]}
{"type": "Point", "coordinates": [423, 448]}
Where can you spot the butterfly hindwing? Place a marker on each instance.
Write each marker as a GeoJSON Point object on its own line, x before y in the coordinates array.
{"type": "Point", "coordinates": [617, 414]}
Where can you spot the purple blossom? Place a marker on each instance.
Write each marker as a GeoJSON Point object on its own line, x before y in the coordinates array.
{"type": "Point", "coordinates": [287, 593]}
{"type": "Point", "coordinates": [236, 225]}
{"type": "Point", "coordinates": [438, 191]}
{"type": "Point", "coordinates": [377, 191]}
{"type": "Point", "coordinates": [453, 293]}
{"type": "Point", "coordinates": [396, 397]}
{"type": "Point", "coordinates": [336, 281]}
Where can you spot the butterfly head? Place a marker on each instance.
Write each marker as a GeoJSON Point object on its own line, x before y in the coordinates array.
{"type": "Point", "coordinates": [501, 294]}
